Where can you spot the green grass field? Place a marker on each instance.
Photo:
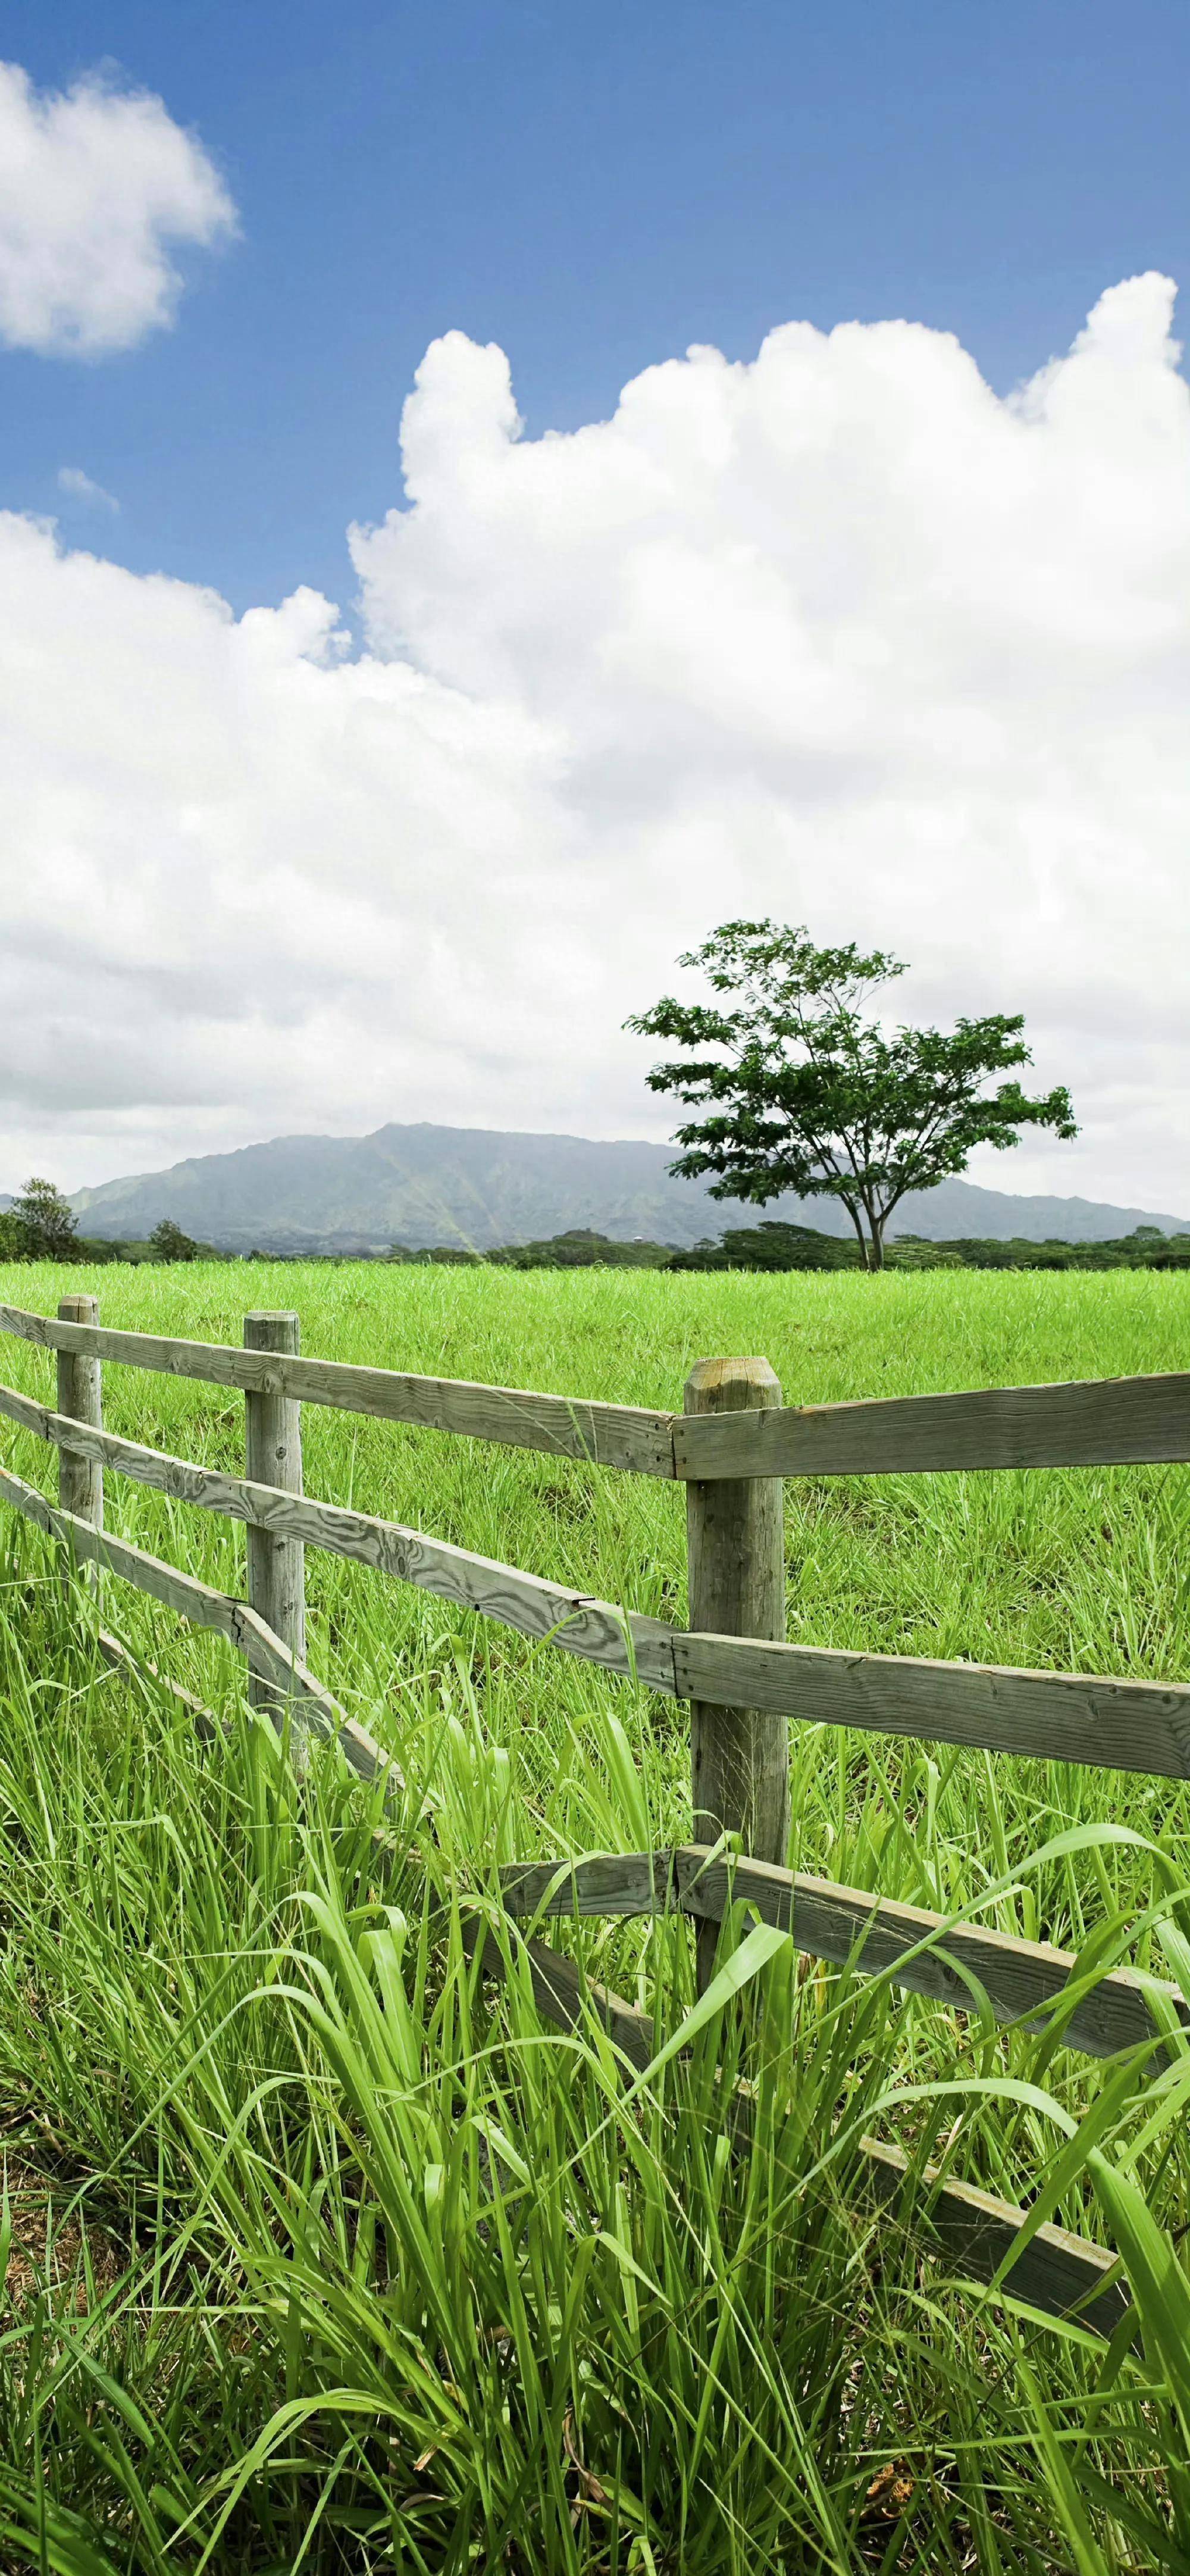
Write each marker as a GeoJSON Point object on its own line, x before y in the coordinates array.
{"type": "Point", "coordinates": [321, 2254]}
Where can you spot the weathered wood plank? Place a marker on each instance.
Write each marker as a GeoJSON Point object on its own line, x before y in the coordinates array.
{"type": "Point", "coordinates": [1023, 1980]}
{"type": "Point", "coordinates": [598, 1883]}
{"type": "Point", "coordinates": [1057, 2272]}
{"type": "Point", "coordinates": [1067, 1717]}
{"type": "Point", "coordinates": [80, 1392]}
{"type": "Point", "coordinates": [273, 1456]}
{"type": "Point", "coordinates": [1086, 1423]}
{"type": "Point", "coordinates": [561, 1992]}
{"type": "Point", "coordinates": [595, 1630]}
{"type": "Point", "coordinates": [735, 1544]}
{"type": "Point", "coordinates": [313, 1705]}
{"type": "Point", "coordinates": [1060, 1717]}
{"type": "Point", "coordinates": [1108, 1421]}
{"type": "Point", "coordinates": [606, 1435]}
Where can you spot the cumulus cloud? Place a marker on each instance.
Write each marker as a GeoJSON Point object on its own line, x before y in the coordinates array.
{"type": "Point", "coordinates": [96, 184]}
{"type": "Point", "coordinates": [81, 487]}
{"type": "Point", "coordinates": [837, 635]}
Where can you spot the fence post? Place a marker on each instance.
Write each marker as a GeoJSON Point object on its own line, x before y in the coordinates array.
{"type": "Point", "coordinates": [273, 1446]}
{"type": "Point", "coordinates": [739, 1758]}
{"type": "Point", "coordinates": [80, 1480]}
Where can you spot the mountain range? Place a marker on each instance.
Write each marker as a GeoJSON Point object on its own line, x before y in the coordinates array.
{"type": "Point", "coordinates": [475, 1187]}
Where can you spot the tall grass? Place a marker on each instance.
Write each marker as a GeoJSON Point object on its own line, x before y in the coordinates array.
{"type": "Point", "coordinates": [324, 2253]}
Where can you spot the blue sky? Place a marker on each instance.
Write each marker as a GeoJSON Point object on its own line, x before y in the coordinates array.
{"type": "Point", "coordinates": [592, 187]}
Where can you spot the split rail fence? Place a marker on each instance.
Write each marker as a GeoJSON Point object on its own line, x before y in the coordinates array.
{"type": "Point", "coordinates": [731, 1447]}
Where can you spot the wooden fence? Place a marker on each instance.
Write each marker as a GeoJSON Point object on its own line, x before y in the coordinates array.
{"type": "Point", "coordinates": [731, 1447]}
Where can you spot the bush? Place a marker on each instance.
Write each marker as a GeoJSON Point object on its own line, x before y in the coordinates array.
{"type": "Point", "coordinates": [771, 1246]}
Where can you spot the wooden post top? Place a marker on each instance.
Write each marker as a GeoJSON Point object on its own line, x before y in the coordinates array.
{"type": "Point", "coordinates": [271, 1328]}
{"type": "Point", "coordinates": [731, 1386]}
{"type": "Point", "coordinates": [78, 1309]}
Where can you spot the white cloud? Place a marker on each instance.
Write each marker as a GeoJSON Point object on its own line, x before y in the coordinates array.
{"type": "Point", "coordinates": [96, 183]}
{"type": "Point", "coordinates": [81, 487]}
{"type": "Point", "coordinates": [837, 635]}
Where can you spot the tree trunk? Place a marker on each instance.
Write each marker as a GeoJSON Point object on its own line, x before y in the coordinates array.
{"type": "Point", "coordinates": [860, 1236]}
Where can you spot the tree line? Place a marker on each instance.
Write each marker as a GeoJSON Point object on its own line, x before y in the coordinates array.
{"type": "Point", "coordinates": [41, 1225]}
{"type": "Point", "coordinates": [774, 1246]}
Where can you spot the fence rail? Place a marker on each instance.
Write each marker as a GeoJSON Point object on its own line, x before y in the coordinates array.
{"type": "Point", "coordinates": [577, 1621]}
{"type": "Point", "coordinates": [1126, 1421]}
{"type": "Point", "coordinates": [1068, 1717]}
{"type": "Point", "coordinates": [242, 1627]}
{"type": "Point", "coordinates": [731, 1447]}
{"type": "Point", "coordinates": [955, 1962]}
{"type": "Point", "coordinates": [1099, 1422]}
{"type": "Point", "coordinates": [604, 1435]}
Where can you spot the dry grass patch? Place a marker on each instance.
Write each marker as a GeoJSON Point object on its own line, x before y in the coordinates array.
{"type": "Point", "coordinates": [51, 2249]}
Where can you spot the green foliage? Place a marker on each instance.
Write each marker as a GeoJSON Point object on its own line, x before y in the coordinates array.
{"type": "Point", "coordinates": [168, 1243]}
{"type": "Point", "coordinates": [770, 1246]}
{"type": "Point", "coordinates": [914, 1254]}
{"type": "Point", "coordinates": [1145, 1249]}
{"type": "Point", "coordinates": [101, 1252]}
{"type": "Point", "coordinates": [798, 1247]}
{"type": "Point", "coordinates": [806, 1094]}
{"type": "Point", "coordinates": [578, 1249]}
{"type": "Point", "coordinates": [774, 1245]}
{"type": "Point", "coordinates": [581, 1249]}
{"type": "Point", "coordinates": [323, 2253]}
{"type": "Point", "coordinates": [40, 1224]}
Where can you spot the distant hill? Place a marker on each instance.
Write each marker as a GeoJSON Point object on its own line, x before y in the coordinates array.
{"type": "Point", "coordinates": [477, 1187]}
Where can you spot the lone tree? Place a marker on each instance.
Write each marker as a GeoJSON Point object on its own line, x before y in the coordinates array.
{"type": "Point", "coordinates": [168, 1243]}
{"type": "Point", "coordinates": [808, 1094]}
{"type": "Point", "coordinates": [44, 1223]}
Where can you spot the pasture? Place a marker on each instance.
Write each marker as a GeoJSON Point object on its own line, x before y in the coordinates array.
{"type": "Point", "coordinates": [321, 2252]}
